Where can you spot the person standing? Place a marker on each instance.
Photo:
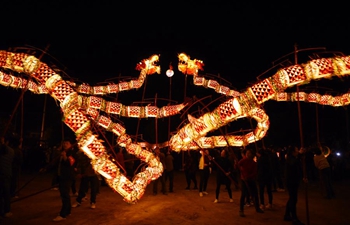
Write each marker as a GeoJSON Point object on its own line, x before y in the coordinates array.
{"type": "Point", "coordinates": [66, 175]}
{"type": "Point", "coordinates": [6, 159]}
{"type": "Point", "coordinates": [204, 172]}
{"type": "Point", "coordinates": [16, 165]}
{"type": "Point", "coordinates": [74, 182]}
{"type": "Point", "coordinates": [278, 167]}
{"type": "Point", "coordinates": [242, 155]}
{"type": "Point", "coordinates": [223, 172]}
{"type": "Point", "coordinates": [324, 169]}
{"type": "Point", "coordinates": [191, 167]}
{"type": "Point", "coordinates": [169, 170]}
{"type": "Point", "coordinates": [233, 156]}
{"type": "Point", "coordinates": [248, 169]}
{"type": "Point", "coordinates": [161, 157]}
{"type": "Point", "coordinates": [53, 165]}
{"type": "Point", "coordinates": [88, 177]}
{"type": "Point", "coordinates": [293, 177]}
{"type": "Point", "coordinates": [264, 177]}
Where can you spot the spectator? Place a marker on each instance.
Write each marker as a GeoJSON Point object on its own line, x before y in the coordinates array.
{"type": "Point", "coordinates": [204, 172]}
{"type": "Point", "coordinates": [233, 156]}
{"type": "Point", "coordinates": [66, 175]}
{"type": "Point", "coordinates": [310, 166]}
{"type": "Point", "coordinates": [191, 167]}
{"type": "Point", "coordinates": [241, 155]}
{"type": "Point", "coordinates": [293, 177]}
{"type": "Point", "coordinates": [74, 182]}
{"type": "Point", "coordinates": [277, 169]}
{"type": "Point", "coordinates": [89, 178]}
{"type": "Point", "coordinates": [264, 177]}
{"type": "Point", "coordinates": [224, 169]}
{"type": "Point", "coordinates": [16, 165]}
{"type": "Point", "coordinates": [161, 157]}
{"type": "Point", "coordinates": [169, 170]}
{"type": "Point", "coordinates": [248, 169]}
{"type": "Point", "coordinates": [53, 164]}
{"type": "Point", "coordinates": [324, 169]}
{"type": "Point", "coordinates": [6, 159]}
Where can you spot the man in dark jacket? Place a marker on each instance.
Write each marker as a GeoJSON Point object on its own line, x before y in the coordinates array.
{"type": "Point", "coordinates": [6, 160]}
{"type": "Point", "coordinates": [293, 178]}
{"type": "Point", "coordinates": [264, 177]}
{"type": "Point", "coordinates": [191, 167]}
{"type": "Point", "coordinates": [16, 165]}
{"type": "Point", "coordinates": [223, 171]}
{"type": "Point", "coordinates": [88, 178]}
{"type": "Point", "coordinates": [66, 175]}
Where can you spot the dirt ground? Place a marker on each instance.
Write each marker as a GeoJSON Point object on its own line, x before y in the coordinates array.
{"type": "Point", "coordinates": [37, 204]}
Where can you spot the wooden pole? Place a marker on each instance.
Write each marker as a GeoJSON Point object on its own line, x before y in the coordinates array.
{"type": "Point", "coordinates": [185, 88]}
{"type": "Point", "coordinates": [156, 121]}
{"type": "Point", "coordinates": [183, 153]}
{"type": "Point", "coordinates": [43, 121]}
{"type": "Point", "coordinates": [317, 127]}
{"type": "Point", "coordinates": [22, 122]}
{"type": "Point", "coordinates": [45, 101]}
{"type": "Point", "coordinates": [302, 143]}
{"type": "Point", "coordinates": [169, 120]}
{"type": "Point", "coordinates": [143, 98]}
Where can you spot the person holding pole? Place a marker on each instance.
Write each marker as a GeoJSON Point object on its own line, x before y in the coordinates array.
{"type": "Point", "coordinates": [224, 169]}
{"type": "Point", "coordinates": [322, 164]}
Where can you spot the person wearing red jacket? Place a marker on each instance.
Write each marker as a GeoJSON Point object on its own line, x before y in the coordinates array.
{"type": "Point", "coordinates": [248, 169]}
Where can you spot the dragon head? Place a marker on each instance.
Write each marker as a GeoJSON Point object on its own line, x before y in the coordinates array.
{"type": "Point", "coordinates": [188, 66]}
{"type": "Point", "coordinates": [150, 65]}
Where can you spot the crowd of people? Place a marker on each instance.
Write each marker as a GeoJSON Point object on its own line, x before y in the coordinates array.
{"type": "Point", "coordinates": [10, 162]}
{"type": "Point", "coordinates": [257, 173]}
{"type": "Point", "coordinates": [68, 165]}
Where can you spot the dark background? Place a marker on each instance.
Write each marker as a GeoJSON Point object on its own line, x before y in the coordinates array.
{"type": "Point", "coordinates": [102, 41]}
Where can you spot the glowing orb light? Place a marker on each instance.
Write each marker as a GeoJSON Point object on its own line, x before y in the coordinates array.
{"type": "Point", "coordinates": [170, 71]}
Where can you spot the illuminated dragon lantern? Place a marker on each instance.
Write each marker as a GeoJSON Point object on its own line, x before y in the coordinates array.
{"type": "Point", "coordinates": [82, 106]}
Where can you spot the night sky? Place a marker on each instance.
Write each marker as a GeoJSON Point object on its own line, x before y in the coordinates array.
{"type": "Point", "coordinates": [100, 41]}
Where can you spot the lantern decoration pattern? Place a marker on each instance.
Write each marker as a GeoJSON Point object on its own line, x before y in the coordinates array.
{"type": "Point", "coordinates": [79, 111]}
{"type": "Point", "coordinates": [193, 136]}
{"type": "Point", "coordinates": [81, 106]}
